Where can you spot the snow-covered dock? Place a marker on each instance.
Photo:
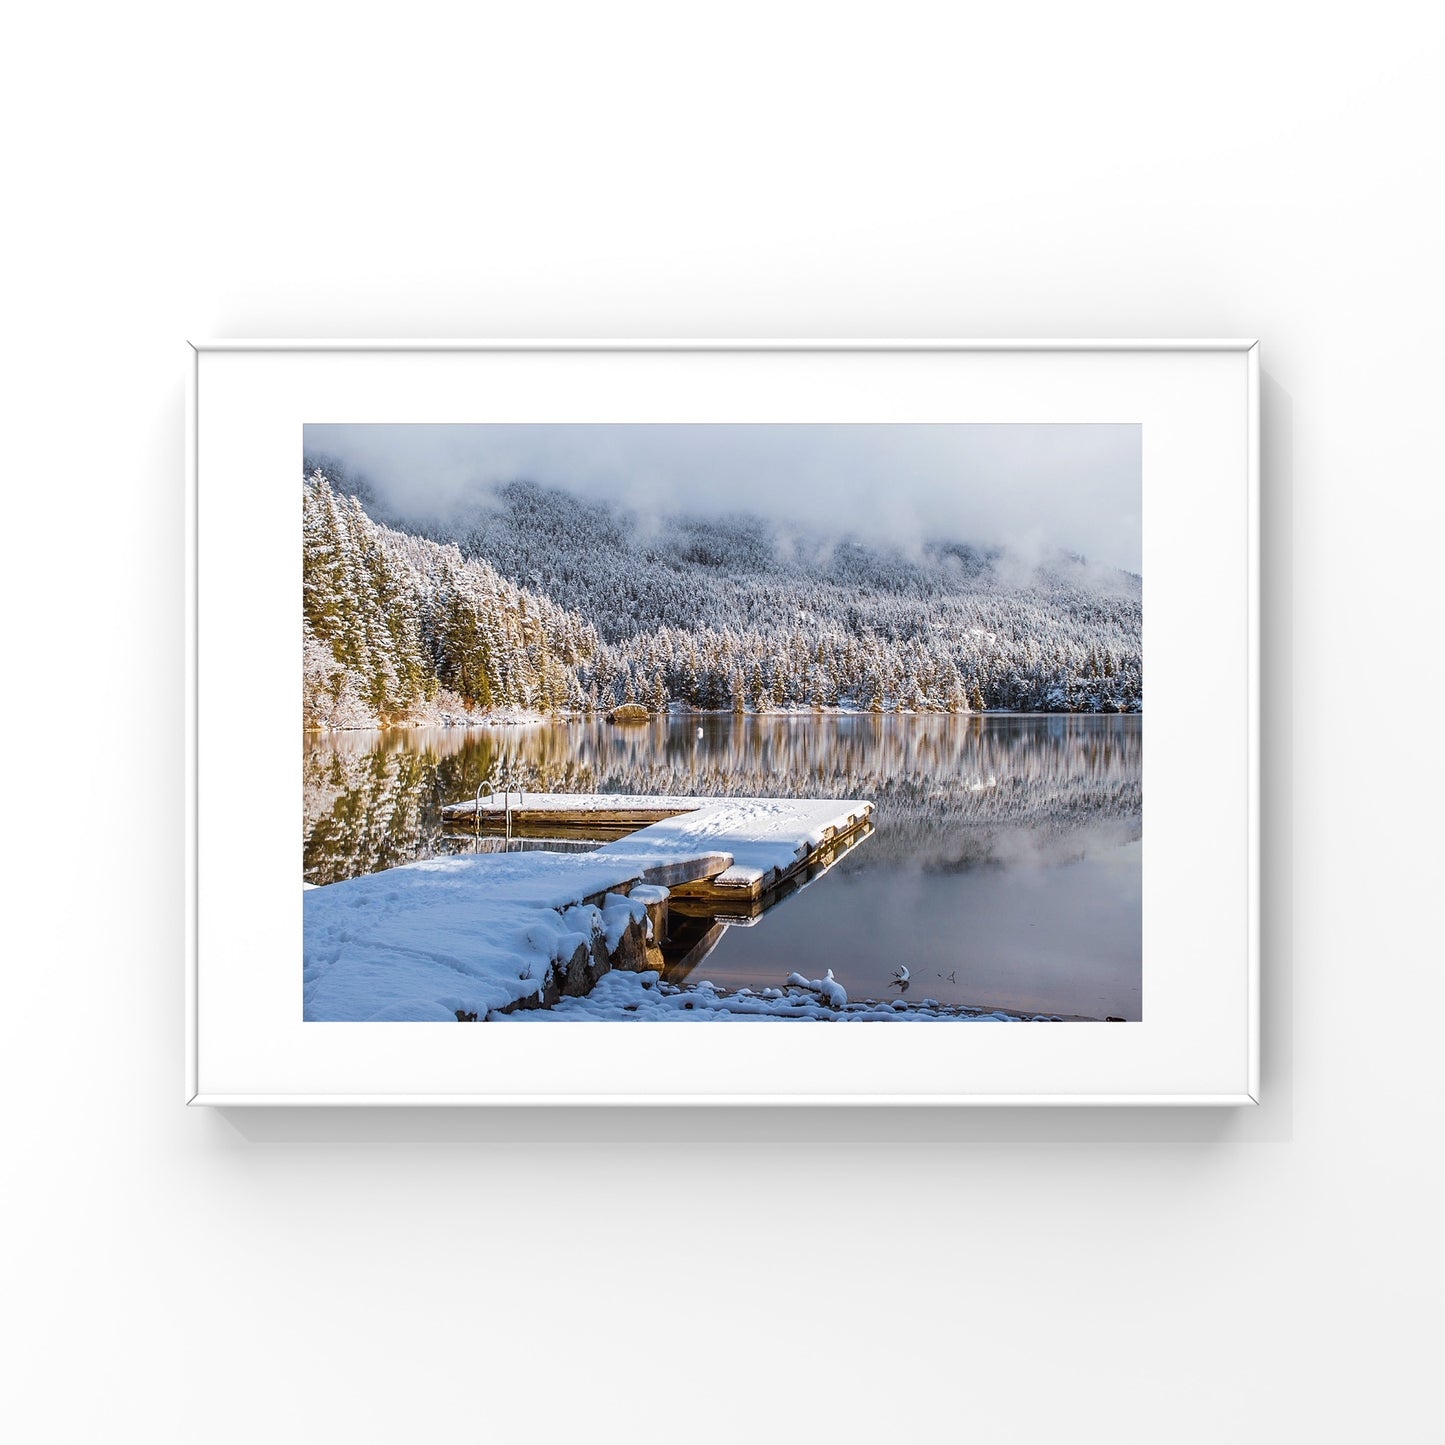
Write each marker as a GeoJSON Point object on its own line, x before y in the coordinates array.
{"type": "Point", "coordinates": [458, 937]}
{"type": "Point", "coordinates": [767, 839]}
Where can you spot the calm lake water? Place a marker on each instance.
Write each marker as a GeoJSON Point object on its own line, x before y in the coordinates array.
{"type": "Point", "coordinates": [1005, 869]}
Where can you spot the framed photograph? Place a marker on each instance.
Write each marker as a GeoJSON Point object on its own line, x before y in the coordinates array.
{"type": "Point", "coordinates": [768, 716]}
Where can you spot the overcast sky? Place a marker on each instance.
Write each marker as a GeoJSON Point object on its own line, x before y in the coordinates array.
{"type": "Point", "coordinates": [1029, 487]}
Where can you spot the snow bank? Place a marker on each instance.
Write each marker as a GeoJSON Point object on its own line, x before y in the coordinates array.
{"type": "Point", "coordinates": [466, 933]}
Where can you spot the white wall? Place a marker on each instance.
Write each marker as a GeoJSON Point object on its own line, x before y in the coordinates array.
{"type": "Point", "coordinates": [462, 171]}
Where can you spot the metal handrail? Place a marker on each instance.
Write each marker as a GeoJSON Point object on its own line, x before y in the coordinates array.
{"type": "Point", "coordinates": [508, 777]}
{"type": "Point", "coordinates": [477, 808]}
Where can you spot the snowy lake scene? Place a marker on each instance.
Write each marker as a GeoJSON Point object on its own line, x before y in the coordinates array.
{"type": "Point", "coordinates": [722, 723]}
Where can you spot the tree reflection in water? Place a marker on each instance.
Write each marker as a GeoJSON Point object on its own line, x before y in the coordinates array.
{"type": "Point", "coordinates": [947, 790]}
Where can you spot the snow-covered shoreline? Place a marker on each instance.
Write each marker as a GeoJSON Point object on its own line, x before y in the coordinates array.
{"type": "Point", "coordinates": [513, 717]}
{"type": "Point", "coordinates": [502, 718]}
{"type": "Point", "coordinates": [625, 997]}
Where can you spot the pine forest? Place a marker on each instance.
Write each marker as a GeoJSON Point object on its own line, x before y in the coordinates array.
{"type": "Point", "coordinates": [533, 601]}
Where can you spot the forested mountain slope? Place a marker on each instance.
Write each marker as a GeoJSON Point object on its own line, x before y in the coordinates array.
{"type": "Point", "coordinates": [399, 629]}
{"type": "Point", "coordinates": [734, 613]}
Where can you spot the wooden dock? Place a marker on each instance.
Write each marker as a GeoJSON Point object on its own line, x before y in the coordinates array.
{"type": "Point", "coordinates": [758, 844]}
{"type": "Point", "coordinates": [469, 937]}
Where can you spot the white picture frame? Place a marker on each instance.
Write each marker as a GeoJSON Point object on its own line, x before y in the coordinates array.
{"type": "Point", "coordinates": [1198, 403]}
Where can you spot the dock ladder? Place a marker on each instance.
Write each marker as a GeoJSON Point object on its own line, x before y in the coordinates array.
{"type": "Point", "coordinates": [508, 779]}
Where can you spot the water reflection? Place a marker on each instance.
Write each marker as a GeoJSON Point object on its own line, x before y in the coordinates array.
{"type": "Point", "coordinates": [1006, 849]}
{"type": "Point", "coordinates": [374, 799]}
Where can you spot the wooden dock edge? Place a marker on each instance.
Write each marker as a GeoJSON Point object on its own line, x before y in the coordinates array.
{"type": "Point", "coordinates": [719, 889]}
